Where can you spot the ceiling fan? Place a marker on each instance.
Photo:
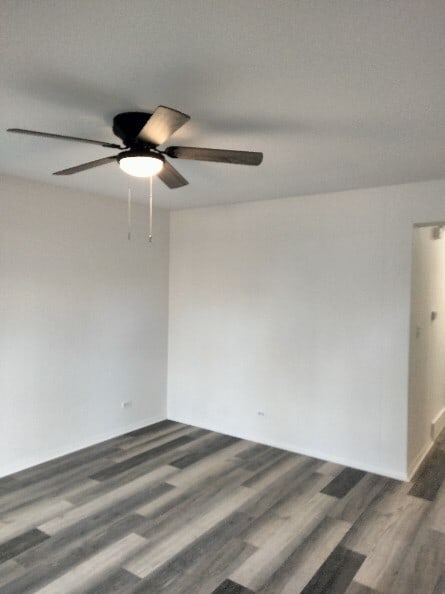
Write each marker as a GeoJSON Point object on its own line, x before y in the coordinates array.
{"type": "Point", "coordinates": [141, 134]}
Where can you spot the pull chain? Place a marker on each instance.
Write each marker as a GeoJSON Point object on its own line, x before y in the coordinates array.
{"type": "Point", "coordinates": [150, 211]}
{"type": "Point", "coordinates": [129, 214]}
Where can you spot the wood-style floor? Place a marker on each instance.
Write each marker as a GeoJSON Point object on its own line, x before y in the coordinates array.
{"type": "Point", "coordinates": [172, 508]}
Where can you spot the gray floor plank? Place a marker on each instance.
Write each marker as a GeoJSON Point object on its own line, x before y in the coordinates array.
{"type": "Point", "coordinates": [423, 564]}
{"type": "Point", "coordinates": [356, 588]}
{"type": "Point", "coordinates": [17, 545]}
{"type": "Point", "coordinates": [89, 573]}
{"type": "Point", "coordinates": [353, 504]}
{"type": "Point", "coordinates": [9, 571]}
{"type": "Point", "coordinates": [344, 482]}
{"type": "Point", "coordinates": [383, 562]}
{"type": "Point", "coordinates": [118, 582]}
{"type": "Point", "coordinates": [203, 450]}
{"type": "Point", "coordinates": [120, 467]}
{"type": "Point", "coordinates": [61, 485]}
{"type": "Point", "coordinates": [336, 573]}
{"type": "Point", "coordinates": [148, 444]}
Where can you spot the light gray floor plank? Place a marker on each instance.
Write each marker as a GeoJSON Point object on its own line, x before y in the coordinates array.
{"type": "Point", "coordinates": [383, 511]}
{"type": "Point", "coordinates": [296, 571]}
{"type": "Point", "coordinates": [271, 555]}
{"type": "Point", "coordinates": [74, 515]}
{"type": "Point", "coordinates": [423, 565]}
{"type": "Point", "coordinates": [438, 511]}
{"type": "Point", "coordinates": [154, 557]}
{"type": "Point", "coordinates": [382, 564]}
{"type": "Point", "coordinates": [90, 572]}
{"type": "Point", "coordinates": [30, 517]}
{"type": "Point", "coordinates": [10, 570]}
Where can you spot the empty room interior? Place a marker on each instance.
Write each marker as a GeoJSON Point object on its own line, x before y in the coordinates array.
{"type": "Point", "coordinates": [222, 297]}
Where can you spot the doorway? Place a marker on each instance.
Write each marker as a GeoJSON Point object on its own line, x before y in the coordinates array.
{"type": "Point", "coordinates": [426, 405]}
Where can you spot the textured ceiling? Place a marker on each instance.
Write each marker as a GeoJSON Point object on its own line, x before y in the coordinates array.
{"type": "Point", "coordinates": [338, 94]}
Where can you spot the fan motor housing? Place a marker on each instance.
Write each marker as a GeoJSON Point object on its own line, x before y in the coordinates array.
{"type": "Point", "coordinates": [127, 126]}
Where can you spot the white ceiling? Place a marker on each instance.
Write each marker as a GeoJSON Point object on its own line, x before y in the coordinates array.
{"type": "Point", "coordinates": [338, 94]}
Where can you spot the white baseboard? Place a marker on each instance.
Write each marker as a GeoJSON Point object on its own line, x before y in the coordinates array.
{"type": "Point", "coordinates": [438, 424]}
{"type": "Point", "coordinates": [416, 463]}
{"type": "Point", "coordinates": [74, 447]}
{"type": "Point", "coordinates": [388, 472]}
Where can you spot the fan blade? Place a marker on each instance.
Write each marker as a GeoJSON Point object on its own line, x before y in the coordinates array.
{"type": "Point", "coordinates": [171, 177]}
{"type": "Point", "coordinates": [62, 137]}
{"type": "Point", "coordinates": [85, 166]}
{"type": "Point", "coordinates": [162, 124]}
{"type": "Point", "coordinates": [217, 155]}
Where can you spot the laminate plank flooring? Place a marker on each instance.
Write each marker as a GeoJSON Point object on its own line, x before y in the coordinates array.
{"type": "Point", "coordinates": [176, 509]}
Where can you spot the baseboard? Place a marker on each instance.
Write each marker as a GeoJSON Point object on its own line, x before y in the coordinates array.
{"type": "Point", "coordinates": [63, 451]}
{"type": "Point", "coordinates": [438, 424]}
{"type": "Point", "coordinates": [417, 462]}
{"type": "Point", "coordinates": [387, 472]}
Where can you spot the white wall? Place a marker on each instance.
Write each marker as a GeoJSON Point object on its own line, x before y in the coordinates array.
{"type": "Point", "coordinates": [299, 308]}
{"type": "Point", "coordinates": [427, 353]}
{"type": "Point", "coordinates": [83, 321]}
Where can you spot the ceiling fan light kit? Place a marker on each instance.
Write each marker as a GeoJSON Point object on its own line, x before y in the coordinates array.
{"type": "Point", "coordinates": [141, 164]}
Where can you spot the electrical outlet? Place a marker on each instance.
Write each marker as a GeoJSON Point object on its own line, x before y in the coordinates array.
{"type": "Point", "coordinates": [126, 404]}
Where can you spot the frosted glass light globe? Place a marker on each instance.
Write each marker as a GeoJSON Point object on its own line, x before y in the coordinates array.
{"type": "Point", "coordinates": [141, 166]}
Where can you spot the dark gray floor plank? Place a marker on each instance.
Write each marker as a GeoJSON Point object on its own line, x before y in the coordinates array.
{"type": "Point", "coordinates": [203, 450]}
{"type": "Point", "coordinates": [21, 543]}
{"type": "Point", "coordinates": [8, 484]}
{"type": "Point", "coordinates": [121, 467]}
{"type": "Point", "coordinates": [304, 466]}
{"type": "Point", "coordinates": [343, 482]}
{"type": "Point", "coordinates": [336, 573]}
{"type": "Point", "coordinates": [256, 449]}
{"type": "Point", "coordinates": [431, 476]}
{"type": "Point", "coordinates": [356, 501]}
{"type": "Point", "coordinates": [265, 459]}
{"type": "Point", "coordinates": [263, 469]}
{"type": "Point", "coordinates": [229, 587]}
